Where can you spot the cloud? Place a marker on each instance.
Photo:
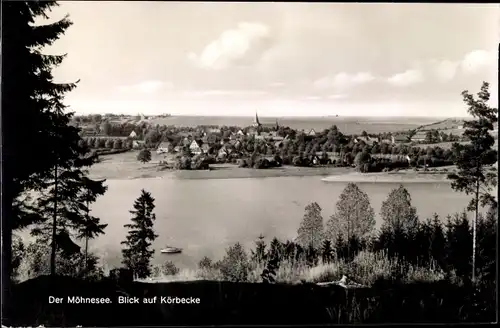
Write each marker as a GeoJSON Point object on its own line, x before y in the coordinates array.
{"type": "Point", "coordinates": [145, 87]}
{"type": "Point", "coordinates": [314, 98]}
{"type": "Point", "coordinates": [407, 78]}
{"type": "Point", "coordinates": [277, 84]}
{"type": "Point", "coordinates": [243, 45]}
{"type": "Point", "coordinates": [477, 60]}
{"type": "Point", "coordinates": [203, 93]}
{"type": "Point", "coordinates": [344, 80]}
{"type": "Point", "coordinates": [337, 96]}
{"type": "Point", "coordinates": [446, 70]}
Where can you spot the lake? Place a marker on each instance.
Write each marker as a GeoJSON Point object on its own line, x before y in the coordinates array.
{"type": "Point", "coordinates": [345, 124]}
{"type": "Point", "coordinates": [205, 216]}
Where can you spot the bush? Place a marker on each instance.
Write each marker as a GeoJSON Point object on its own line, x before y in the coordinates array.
{"type": "Point", "coordinates": [36, 262]}
{"type": "Point", "coordinates": [205, 263]}
{"type": "Point", "coordinates": [169, 269]}
{"type": "Point", "coordinates": [234, 266]}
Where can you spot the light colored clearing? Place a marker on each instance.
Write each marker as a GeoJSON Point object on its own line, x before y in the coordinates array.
{"type": "Point", "coordinates": [388, 178]}
{"type": "Point", "coordinates": [231, 171]}
{"type": "Point", "coordinates": [448, 145]}
{"type": "Point", "coordinates": [126, 166]}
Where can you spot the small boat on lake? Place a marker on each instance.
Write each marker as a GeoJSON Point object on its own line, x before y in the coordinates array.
{"type": "Point", "coordinates": [171, 250]}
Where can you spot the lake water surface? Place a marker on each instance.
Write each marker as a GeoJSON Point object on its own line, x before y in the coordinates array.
{"type": "Point", "coordinates": [205, 216]}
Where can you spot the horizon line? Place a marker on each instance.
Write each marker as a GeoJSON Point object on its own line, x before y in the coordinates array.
{"type": "Point", "coordinates": [271, 116]}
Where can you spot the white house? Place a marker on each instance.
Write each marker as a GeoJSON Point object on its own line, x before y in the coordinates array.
{"type": "Point", "coordinates": [136, 144]}
{"type": "Point", "coordinates": [132, 134]}
{"type": "Point", "coordinates": [312, 132]}
{"type": "Point", "coordinates": [164, 147]}
{"type": "Point", "coordinates": [195, 148]}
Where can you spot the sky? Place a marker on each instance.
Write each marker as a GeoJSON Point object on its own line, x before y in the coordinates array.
{"type": "Point", "coordinates": [277, 59]}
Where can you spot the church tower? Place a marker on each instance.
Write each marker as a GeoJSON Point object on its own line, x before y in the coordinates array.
{"type": "Point", "coordinates": [256, 122]}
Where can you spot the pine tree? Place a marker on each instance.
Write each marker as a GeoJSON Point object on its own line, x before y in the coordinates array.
{"type": "Point", "coordinates": [92, 226]}
{"type": "Point", "coordinates": [138, 252]}
{"type": "Point", "coordinates": [471, 159]}
{"type": "Point", "coordinates": [62, 211]}
{"type": "Point", "coordinates": [144, 156]}
{"type": "Point", "coordinates": [327, 251]}
{"type": "Point", "coordinates": [260, 251]}
{"type": "Point", "coordinates": [21, 84]}
{"type": "Point", "coordinates": [37, 101]}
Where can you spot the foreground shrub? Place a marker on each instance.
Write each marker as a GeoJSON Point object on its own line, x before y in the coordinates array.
{"type": "Point", "coordinates": [235, 265]}
{"type": "Point", "coordinates": [169, 269]}
{"type": "Point", "coordinates": [36, 262]}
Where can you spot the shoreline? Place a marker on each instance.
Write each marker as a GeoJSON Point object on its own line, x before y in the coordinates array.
{"type": "Point", "coordinates": [231, 171]}
{"type": "Point", "coordinates": [387, 177]}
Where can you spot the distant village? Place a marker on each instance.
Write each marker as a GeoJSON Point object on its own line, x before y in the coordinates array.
{"type": "Point", "coordinates": [270, 142]}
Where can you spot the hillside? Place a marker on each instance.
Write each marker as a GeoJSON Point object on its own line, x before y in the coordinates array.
{"type": "Point", "coordinates": [447, 124]}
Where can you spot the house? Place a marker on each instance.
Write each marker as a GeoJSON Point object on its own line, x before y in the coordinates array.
{"type": "Point", "coordinates": [235, 143]}
{"type": "Point", "coordinates": [186, 141]}
{"type": "Point", "coordinates": [419, 136]}
{"type": "Point", "coordinates": [177, 149]}
{"type": "Point", "coordinates": [132, 135]}
{"type": "Point", "coordinates": [165, 147]}
{"type": "Point", "coordinates": [312, 133]}
{"type": "Point", "coordinates": [136, 144]}
{"type": "Point", "coordinates": [205, 148]}
{"type": "Point", "coordinates": [195, 148]}
{"type": "Point", "coordinates": [367, 140]}
{"type": "Point", "coordinates": [259, 137]}
{"type": "Point", "coordinates": [212, 130]}
{"type": "Point", "coordinates": [399, 138]}
{"type": "Point", "coordinates": [252, 131]}
{"type": "Point", "coordinates": [224, 151]}
{"type": "Point", "coordinates": [240, 133]}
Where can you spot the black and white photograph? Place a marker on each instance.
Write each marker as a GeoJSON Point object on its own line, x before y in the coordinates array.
{"type": "Point", "coordinates": [248, 163]}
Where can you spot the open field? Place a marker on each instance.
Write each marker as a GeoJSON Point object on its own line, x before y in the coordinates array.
{"type": "Point", "coordinates": [447, 124]}
{"type": "Point", "coordinates": [447, 145]}
{"type": "Point", "coordinates": [126, 166]}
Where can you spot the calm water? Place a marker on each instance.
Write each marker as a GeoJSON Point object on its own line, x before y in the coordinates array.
{"type": "Point", "coordinates": [205, 216]}
{"type": "Point", "coordinates": [348, 125]}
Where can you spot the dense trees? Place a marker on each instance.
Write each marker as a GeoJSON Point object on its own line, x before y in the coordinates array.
{"type": "Point", "coordinates": [473, 176]}
{"type": "Point", "coordinates": [137, 252]}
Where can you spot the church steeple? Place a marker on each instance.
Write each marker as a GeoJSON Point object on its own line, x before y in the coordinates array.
{"type": "Point", "coordinates": [256, 122]}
